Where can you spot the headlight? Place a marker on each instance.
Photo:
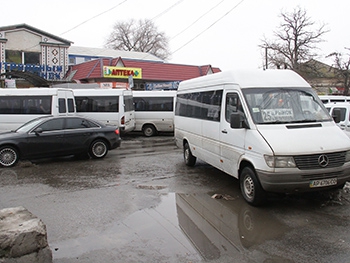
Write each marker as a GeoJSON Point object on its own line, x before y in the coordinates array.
{"type": "Point", "coordinates": [280, 161]}
{"type": "Point", "coordinates": [347, 156]}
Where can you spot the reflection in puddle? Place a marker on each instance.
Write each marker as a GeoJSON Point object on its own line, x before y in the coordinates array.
{"type": "Point", "coordinates": [147, 234]}
{"type": "Point", "coordinates": [220, 228]}
{"type": "Point", "coordinates": [183, 228]}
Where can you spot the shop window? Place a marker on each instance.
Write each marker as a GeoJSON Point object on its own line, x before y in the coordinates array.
{"type": "Point", "coordinates": [31, 58]}
{"type": "Point", "coordinates": [15, 56]}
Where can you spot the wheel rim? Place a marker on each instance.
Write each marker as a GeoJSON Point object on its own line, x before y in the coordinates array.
{"type": "Point", "coordinates": [8, 157]}
{"type": "Point", "coordinates": [148, 131]}
{"type": "Point", "coordinates": [99, 149]}
{"type": "Point", "coordinates": [248, 186]}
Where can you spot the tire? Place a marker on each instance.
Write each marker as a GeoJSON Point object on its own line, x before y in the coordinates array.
{"type": "Point", "coordinates": [149, 130]}
{"type": "Point", "coordinates": [98, 149]}
{"type": "Point", "coordinates": [8, 156]}
{"type": "Point", "coordinates": [251, 188]}
{"type": "Point", "coordinates": [190, 160]}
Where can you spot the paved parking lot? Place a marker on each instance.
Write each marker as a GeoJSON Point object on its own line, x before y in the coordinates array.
{"type": "Point", "coordinates": [142, 204]}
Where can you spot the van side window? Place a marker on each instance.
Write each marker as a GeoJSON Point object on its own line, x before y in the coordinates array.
{"type": "Point", "coordinates": [98, 104]}
{"type": "Point", "coordinates": [233, 104]}
{"type": "Point", "coordinates": [70, 105]}
{"type": "Point", "coordinates": [154, 103]}
{"type": "Point", "coordinates": [25, 104]}
{"type": "Point", "coordinates": [203, 105]}
{"type": "Point", "coordinates": [61, 106]}
{"type": "Point", "coordinates": [342, 113]}
{"type": "Point", "coordinates": [129, 104]}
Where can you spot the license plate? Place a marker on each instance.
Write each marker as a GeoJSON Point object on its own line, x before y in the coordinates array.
{"type": "Point", "coordinates": [323, 182]}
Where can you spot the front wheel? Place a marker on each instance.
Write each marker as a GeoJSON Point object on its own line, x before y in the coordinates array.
{"type": "Point", "coordinates": [98, 149]}
{"type": "Point", "coordinates": [190, 160]}
{"type": "Point", "coordinates": [251, 189]}
{"type": "Point", "coordinates": [8, 156]}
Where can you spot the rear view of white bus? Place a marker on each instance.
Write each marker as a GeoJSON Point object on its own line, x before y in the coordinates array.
{"type": "Point", "coordinates": [108, 106]}
{"type": "Point", "coordinates": [17, 106]}
{"type": "Point", "coordinates": [154, 111]}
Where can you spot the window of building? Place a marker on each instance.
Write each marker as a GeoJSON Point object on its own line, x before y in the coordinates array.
{"type": "Point", "coordinates": [22, 57]}
{"type": "Point", "coordinates": [31, 58]}
{"type": "Point", "coordinates": [13, 56]}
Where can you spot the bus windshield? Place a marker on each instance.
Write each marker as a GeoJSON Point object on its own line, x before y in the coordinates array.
{"type": "Point", "coordinates": [285, 105]}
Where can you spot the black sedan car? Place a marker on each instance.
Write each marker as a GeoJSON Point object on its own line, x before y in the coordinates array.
{"type": "Point", "coordinates": [57, 136]}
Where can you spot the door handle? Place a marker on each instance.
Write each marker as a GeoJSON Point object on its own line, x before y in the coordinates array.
{"type": "Point", "coordinates": [224, 131]}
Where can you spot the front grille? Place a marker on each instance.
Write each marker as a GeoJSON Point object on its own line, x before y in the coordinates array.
{"type": "Point", "coordinates": [307, 162]}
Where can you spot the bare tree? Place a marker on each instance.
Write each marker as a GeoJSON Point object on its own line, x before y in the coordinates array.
{"type": "Point", "coordinates": [341, 69]}
{"type": "Point", "coordinates": [295, 40]}
{"type": "Point", "coordinates": [141, 35]}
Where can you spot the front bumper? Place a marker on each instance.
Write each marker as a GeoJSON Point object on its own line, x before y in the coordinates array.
{"type": "Point", "coordinates": [295, 180]}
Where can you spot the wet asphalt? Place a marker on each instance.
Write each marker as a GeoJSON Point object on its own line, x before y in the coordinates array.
{"type": "Point", "coordinates": [142, 204]}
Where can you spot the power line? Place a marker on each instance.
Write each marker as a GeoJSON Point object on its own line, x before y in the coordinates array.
{"type": "Point", "coordinates": [85, 21]}
{"type": "Point", "coordinates": [108, 10]}
{"type": "Point", "coordinates": [211, 9]}
{"type": "Point", "coordinates": [154, 18]}
{"type": "Point", "coordinates": [208, 27]}
{"type": "Point", "coordinates": [167, 10]}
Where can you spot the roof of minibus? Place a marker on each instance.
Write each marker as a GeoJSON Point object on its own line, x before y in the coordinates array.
{"type": "Point", "coordinates": [248, 79]}
{"type": "Point", "coordinates": [30, 91]}
{"type": "Point", "coordinates": [100, 92]}
{"type": "Point", "coordinates": [154, 93]}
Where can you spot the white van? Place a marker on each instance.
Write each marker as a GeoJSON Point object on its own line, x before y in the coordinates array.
{"type": "Point", "coordinates": [154, 111]}
{"type": "Point", "coordinates": [108, 106]}
{"type": "Point", "coordinates": [18, 106]}
{"type": "Point", "coordinates": [252, 125]}
{"type": "Point", "coordinates": [340, 111]}
{"type": "Point", "coordinates": [334, 98]}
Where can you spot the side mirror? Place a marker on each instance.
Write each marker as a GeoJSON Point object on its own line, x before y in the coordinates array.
{"type": "Point", "coordinates": [37, 131]}
{"type": "Point", "coordinates": [336, 115]}
{"type": "Point", "coordinates": [238, 121]}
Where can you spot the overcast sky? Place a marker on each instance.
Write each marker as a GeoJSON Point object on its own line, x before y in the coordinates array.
{"type": "Point", "coordinates": [222, 33]}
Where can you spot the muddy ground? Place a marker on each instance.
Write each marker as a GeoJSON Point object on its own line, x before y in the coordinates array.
{"type": "Point", "coordinates": [142, 204]}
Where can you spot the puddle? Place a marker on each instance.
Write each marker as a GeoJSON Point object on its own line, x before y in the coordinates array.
{"type": "Point", "coordinates": [182, 228]}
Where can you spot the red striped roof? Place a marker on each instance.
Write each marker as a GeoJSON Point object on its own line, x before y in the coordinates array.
{"type": "Point", "coordinates": [151, 70]}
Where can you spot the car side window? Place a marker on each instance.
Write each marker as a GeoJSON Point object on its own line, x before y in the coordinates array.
{"type": "Point", "coordinates": [52, 125]}
{"type": "Point", "coordinates": [77, 123]}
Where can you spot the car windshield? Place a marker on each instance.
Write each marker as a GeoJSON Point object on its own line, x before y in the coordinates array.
{"type": "Point", "coordinates": [29, 125]}
{"type": "Point", "coordinates": [285, 105]}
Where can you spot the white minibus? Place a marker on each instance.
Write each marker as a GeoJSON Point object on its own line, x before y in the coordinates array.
{"type": "Point", "coordinates": [341, 113]}
{"type": "Point", "coordinates": [334, 98]}
{"type": "Point", "coordinates": [154, 111]}
{"type": "Point", "coordinates": [253, 126]}
{"type": "Point", "coordinates": [108, 106]}
{"type": "Point", "coordinates": [18, 106]}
